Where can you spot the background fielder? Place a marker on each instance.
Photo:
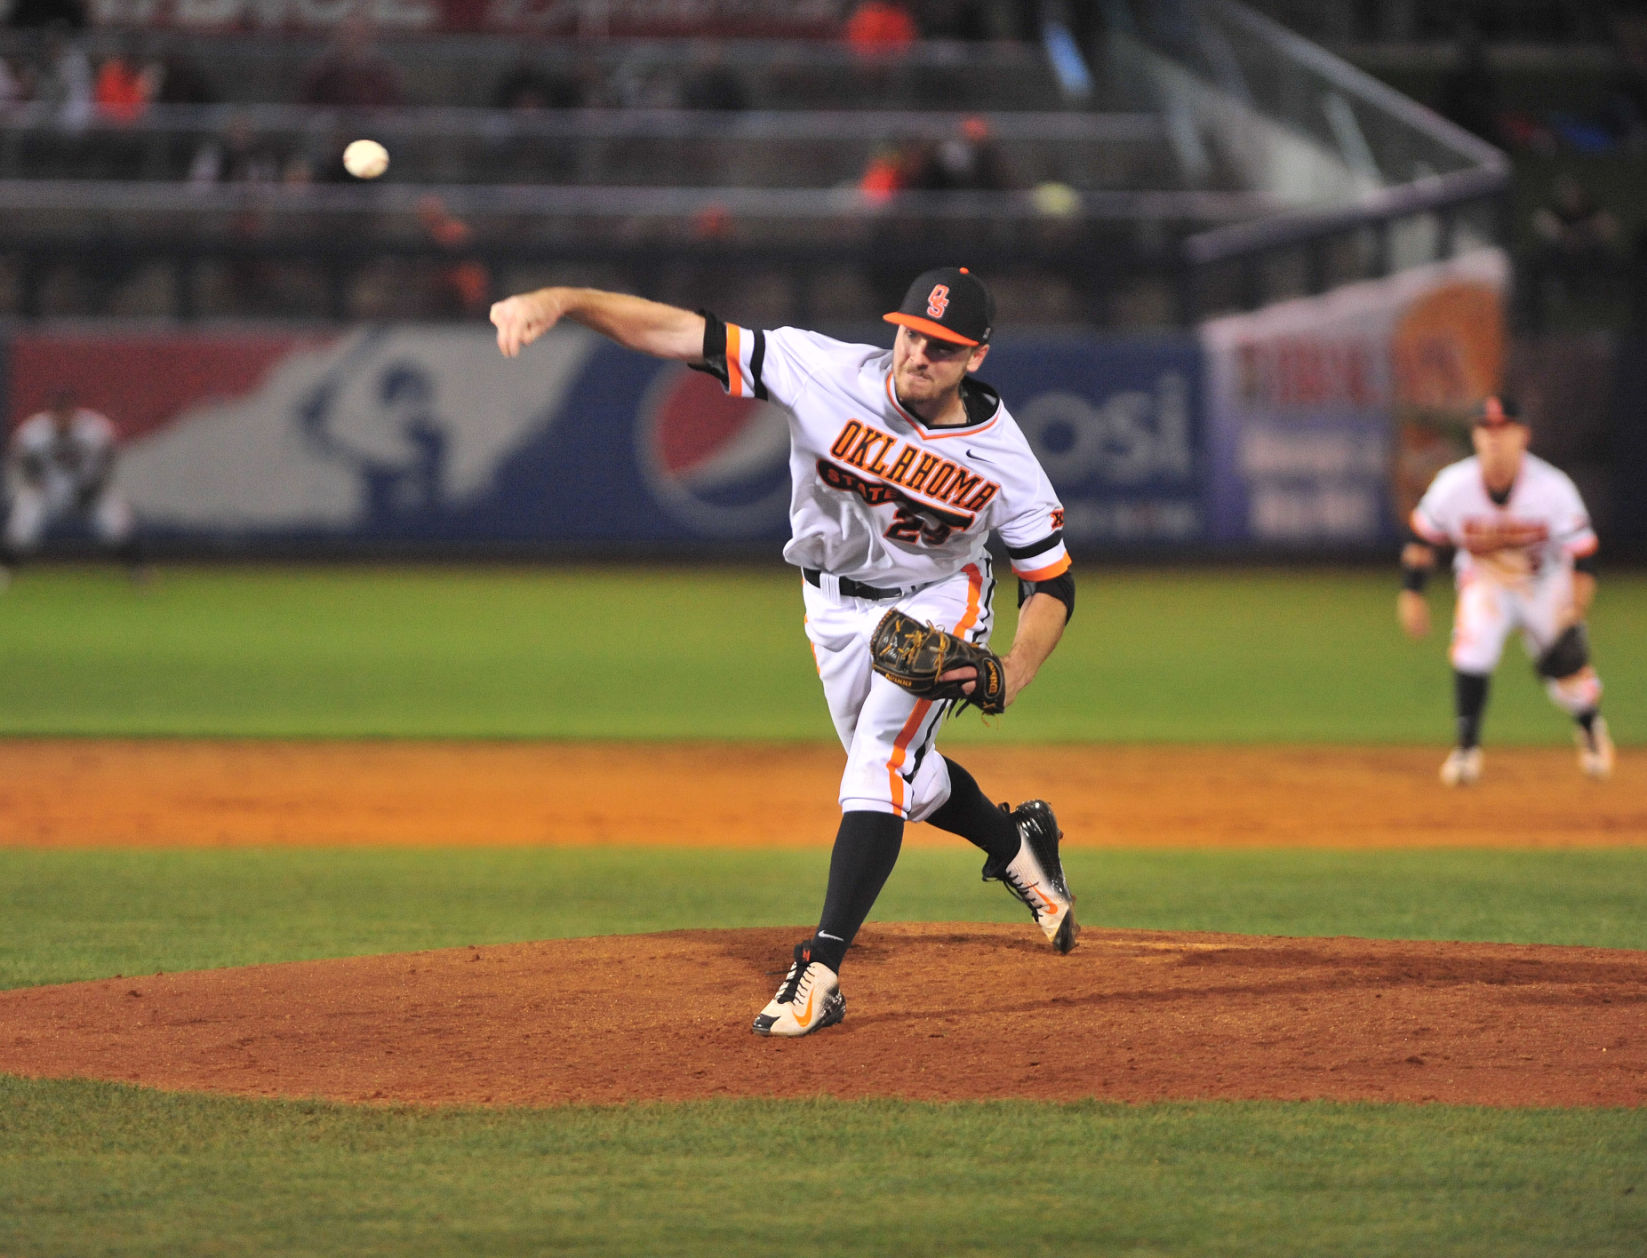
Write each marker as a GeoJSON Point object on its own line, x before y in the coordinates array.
{"type": "Point", "coordinates": [61, 461]}
{"type": "Point", "coordinates": [901, 465]}
{"type": "Point", "coordinates": [1525, 559]}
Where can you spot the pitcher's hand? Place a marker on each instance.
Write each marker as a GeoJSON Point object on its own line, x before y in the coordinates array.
{"type": "Point", "coordinates": [523, 318]}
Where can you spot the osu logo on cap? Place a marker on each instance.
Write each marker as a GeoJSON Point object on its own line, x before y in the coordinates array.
{"type": "Point", "coordinates": [937, 301]}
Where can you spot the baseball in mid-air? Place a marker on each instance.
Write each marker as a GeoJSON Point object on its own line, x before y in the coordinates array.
{"type": "Point", "coordinates": [365, 159]}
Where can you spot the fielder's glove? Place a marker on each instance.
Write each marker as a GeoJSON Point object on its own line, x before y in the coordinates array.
{"type": "Point", "coordinates": [914, 655]}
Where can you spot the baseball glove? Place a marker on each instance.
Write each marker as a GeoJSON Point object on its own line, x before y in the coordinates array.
{"type": "Point", "coordinates": [914, 655]}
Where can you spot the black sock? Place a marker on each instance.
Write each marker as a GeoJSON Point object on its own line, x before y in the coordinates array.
{"type": "Point", "coordinates": [1469, 701]}
{"type": "Point", "coordinates": [866, 849]}
{"type": "Point", "coordinates": [968, 813]}
{"type": "Point", "coordinates": [1587, 721]}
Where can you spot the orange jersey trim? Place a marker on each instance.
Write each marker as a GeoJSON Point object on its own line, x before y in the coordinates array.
{"type": "Point", "coordinates": [734, 369]}
{"type": "Point", "coordinates": [934, 434]}
{"type": "Point", "coordinates": [900, 746]}
{"type": "Point", "coordinates": [1056, 568]}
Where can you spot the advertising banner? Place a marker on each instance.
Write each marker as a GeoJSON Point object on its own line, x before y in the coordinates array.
{"type": "Point", "coordinates": [426, 436]}
{"type": "Point", "coordinates": [600, 18]}
{"type": "Point", "coordinates": [1116, 422]}
{"type": "Point", "coordinates": [1326, 416]}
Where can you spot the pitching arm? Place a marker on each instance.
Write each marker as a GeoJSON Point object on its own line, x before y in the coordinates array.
{"type": "Point", "coordinates": [634, 322]}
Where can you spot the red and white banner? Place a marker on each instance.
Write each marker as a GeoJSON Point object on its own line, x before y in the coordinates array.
{"type": "Point", "coordinates": [1326, 415]}
{"type": "Point", "coordinates": [594, 19]}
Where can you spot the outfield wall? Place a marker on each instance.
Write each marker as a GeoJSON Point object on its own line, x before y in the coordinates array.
{"type": "Point", "coordinates": [1306, 426]}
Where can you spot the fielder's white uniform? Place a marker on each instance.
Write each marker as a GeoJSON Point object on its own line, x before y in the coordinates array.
{"type": "Point", "coordinates": [52, 472]}
{"type": "Point", "coordinates": [1513, 563]}
{"type": "Point", "coordinates": [881, 500]}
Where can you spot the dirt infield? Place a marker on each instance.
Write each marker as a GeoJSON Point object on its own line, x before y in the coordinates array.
{"type": "Point", "coordinates": [934, 1011]}
{"type": "Point", "coordinates": [67, 792]}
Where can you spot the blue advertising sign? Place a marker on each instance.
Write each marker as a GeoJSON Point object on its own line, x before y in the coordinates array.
{"type": "Point", "coordinates": [1116, 423]}
{"type": "Point", "coordinates": [426, 435]}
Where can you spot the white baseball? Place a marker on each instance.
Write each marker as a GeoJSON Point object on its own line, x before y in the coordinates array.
{"type": "Point", "coordinates": [365, 159]}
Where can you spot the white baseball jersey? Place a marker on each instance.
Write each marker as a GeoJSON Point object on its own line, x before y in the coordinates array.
{"type": "Point", "coordinates": [882, 499]}
{"type": "Point", "coordinates": [69, 460]}
{"type": "Point", "coordinates": [52, 472]}
{"type": "Point", "coordinates": [879, 497]}
{"type": "Point", "coordinates": [1540, 528]}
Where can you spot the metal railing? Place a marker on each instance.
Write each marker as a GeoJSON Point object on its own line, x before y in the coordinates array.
{"type": "Point", "coordinates": [1419, 188]}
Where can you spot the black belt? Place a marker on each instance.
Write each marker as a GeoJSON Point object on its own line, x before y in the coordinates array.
{"type": "Point", "coordinates": [851, 588]}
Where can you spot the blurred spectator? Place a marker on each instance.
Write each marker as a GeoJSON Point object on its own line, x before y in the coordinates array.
{"type": "Point", "coordinates": [1624, 104]}
{"type": "Point", "coordinates": [1468, 93]}
{"type": "Point", "coordinates": [533, 153]}
{"type": "Point", "coordinates": [180, 80]}
{"type": "Point", "coordinates": [892, 168]}
{"type": "Point", "coordinates": [462, 285]}
{"type": "Point", "coordinates": [967, 161]}
{"type": "Point", "coordinates": [16, 83]}
{"type": "Point", "coordinates": [1575, 253]}
{"type": "Point", "coordinates": [352, 74]}
{"type": "Point", "coordinates": [235, 156]}
{"type": "Point", "coordinates": [953, 19]}
{"type": "Point", "coordinates": [530, 87]}
{"type": "Point", "coordinates": [711, 83]}
{"type": "Point", "coordinates": [67, 83]}
{"type": "Point", "coordinates": [64, 13]}
{"type": "Point", "coordinates": [123, 88]}
{"type": "Point", "coordinates": [881, 27]}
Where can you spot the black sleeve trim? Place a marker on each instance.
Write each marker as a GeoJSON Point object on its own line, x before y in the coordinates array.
{"type": "Point", "coordinates": [757, 360]}
{"type": "Point", "coordinates": [1036, 548]}
{"type": "Point", "coordinates": [1060, 587]}
{"type": "Point", "coordinates": [1585, 564]}
{"type": "Point", "coordinates": [714, 349]}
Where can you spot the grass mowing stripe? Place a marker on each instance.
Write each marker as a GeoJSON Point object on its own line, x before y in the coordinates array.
{"type": "Point", "coordinates": [95, 1169]}
{"type": "Point", "coordinates": [1277, 655]}
{"type": "Point", "coordinates": [77, 914]}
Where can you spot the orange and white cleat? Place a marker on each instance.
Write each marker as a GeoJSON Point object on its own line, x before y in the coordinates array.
{"type": "Point", "coordinates": [808, 1000]}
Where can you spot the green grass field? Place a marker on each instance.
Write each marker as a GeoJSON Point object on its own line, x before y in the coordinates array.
{"type": "Point", "coordinates": [1306, 656]}
{"type": "Point", "coordinates": [1221, 656]}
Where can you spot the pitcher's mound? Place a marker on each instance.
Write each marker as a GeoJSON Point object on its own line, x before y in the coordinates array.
{"type": "Point", "coordinates": [938, 1012]}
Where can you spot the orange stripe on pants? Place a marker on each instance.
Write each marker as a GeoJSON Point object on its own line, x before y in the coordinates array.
{"type": "Point", "coordinates": [900, 746]}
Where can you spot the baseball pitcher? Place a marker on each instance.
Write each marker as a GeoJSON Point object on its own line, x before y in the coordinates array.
{"type": "Point", "coordinates": [902, 465]}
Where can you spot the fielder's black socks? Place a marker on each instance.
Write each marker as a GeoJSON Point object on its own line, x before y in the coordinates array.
{"type": "Point", "coordinates": [1469, 701]}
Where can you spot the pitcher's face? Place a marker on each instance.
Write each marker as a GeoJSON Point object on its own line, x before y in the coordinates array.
{"type": "Point", "coordinates": [925, 369]}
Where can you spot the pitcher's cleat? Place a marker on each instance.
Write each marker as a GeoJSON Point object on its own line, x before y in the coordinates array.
{"type": "Point", "coordinates": [808, 1000]}
{"type": "Point", "coordinates": [1462, 767]}
{"type": "Point", "coordinates": [1036, 874]}
{"type": "Point", "coordinates": [1595, 750]}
